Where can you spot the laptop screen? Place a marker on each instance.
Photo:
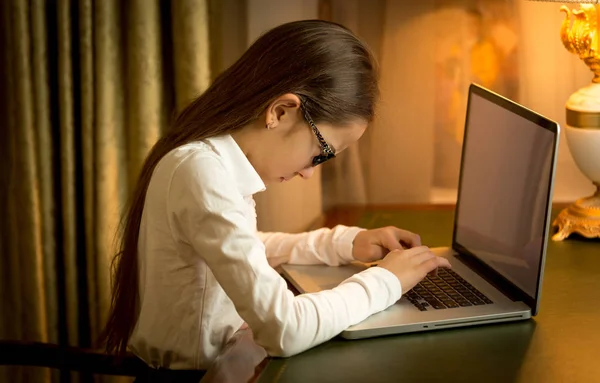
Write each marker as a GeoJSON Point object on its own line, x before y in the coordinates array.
{"type": "Point", "coordinates": [505, 188]}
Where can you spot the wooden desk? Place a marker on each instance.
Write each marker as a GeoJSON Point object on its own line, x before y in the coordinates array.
{"type": "Point", "coordinates": [562, 343]}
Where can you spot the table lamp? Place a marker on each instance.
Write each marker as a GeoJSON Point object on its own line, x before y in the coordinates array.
{"type": "Point", "coordinates": [579, 34]}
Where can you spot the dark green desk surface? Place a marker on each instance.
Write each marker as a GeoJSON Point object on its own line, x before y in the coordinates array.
{"type": "Point", "coordinates": [561, 344]}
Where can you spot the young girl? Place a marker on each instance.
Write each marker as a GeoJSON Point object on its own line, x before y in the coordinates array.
{"type": "Point", "coordinates": [192, 269]}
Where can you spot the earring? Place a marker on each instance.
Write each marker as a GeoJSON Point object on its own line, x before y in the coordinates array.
{"type": "Point", "coordinates": [269, 126]}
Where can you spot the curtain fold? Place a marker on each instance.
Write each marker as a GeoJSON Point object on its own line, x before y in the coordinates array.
{"type": "Point", "coordinates": [85, 31]}
{"type": "Point", "coordinates": [68, 183]}
{"type": "Point", "coordinates": [88, 87]}
{"type": "Point", "coordinates": [191, 47]}
{"type": "Point", "coordinates": [345, 180]}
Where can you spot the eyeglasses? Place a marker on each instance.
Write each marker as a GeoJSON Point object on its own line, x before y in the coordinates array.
{"type": "Point", "coordinates": [326, 152]}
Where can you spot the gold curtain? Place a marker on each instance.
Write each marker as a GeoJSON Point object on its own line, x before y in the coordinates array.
{"type": "Point", "coordinates": [346, 180]}
{"type": "Point", "coordinates": [87, 88]}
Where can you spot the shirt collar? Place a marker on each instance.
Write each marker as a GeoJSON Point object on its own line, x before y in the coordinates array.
{"type": "Point", "coordinates": [235, 161]}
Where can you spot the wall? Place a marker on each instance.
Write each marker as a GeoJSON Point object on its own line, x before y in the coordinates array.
{"type": "Point", "coordinates": [402, 136]}
{"type": "Point", "coordinates": [549, 74]}
{"type": "Point", "coordinates": [401, 140]}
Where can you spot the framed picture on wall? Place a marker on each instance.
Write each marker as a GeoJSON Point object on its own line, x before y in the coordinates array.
{"type": "Point", "coordinates": [476, 41]}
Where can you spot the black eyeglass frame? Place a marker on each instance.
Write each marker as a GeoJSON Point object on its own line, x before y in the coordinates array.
{"type": "Point", "coordinates": [327, 152]}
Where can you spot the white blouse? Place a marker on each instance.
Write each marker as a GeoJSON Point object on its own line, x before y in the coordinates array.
{"type": "Point", "coordinates": [205, 270]}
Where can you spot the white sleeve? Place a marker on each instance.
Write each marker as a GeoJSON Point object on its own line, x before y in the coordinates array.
{"type": "Point", "coordinates": [332, 247]}
{"type": "Point", "coordinates": [209, 210]}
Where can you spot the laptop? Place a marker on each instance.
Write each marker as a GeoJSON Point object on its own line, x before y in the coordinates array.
{"type": "Point", "coordinates": [500, 233]}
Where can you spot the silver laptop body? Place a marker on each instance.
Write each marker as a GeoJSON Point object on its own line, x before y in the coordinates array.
{"type": "Point", "coordinates": [500, 232]}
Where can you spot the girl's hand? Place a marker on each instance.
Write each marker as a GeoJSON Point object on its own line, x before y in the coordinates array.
{"type": "Point", "coordinates": [373, 245]}
{"type": "Point", "coordinates": [412, 265]}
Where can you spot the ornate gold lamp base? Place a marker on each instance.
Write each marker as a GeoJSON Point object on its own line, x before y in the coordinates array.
{"type": "Point", "coordinates": [583, 217]}
{"type": "Point", "coordinates": [582, 130]}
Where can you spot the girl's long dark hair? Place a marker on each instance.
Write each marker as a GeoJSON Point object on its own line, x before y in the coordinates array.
{"type": "Point", "coordinates": [321, 62]}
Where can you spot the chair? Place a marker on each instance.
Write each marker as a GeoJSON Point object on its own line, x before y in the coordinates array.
{"type": "Point", "coordinates": [67, 359]}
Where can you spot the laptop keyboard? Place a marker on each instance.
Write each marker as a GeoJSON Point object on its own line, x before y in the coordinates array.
{"type": "Point", "coordinates": [446, 290]}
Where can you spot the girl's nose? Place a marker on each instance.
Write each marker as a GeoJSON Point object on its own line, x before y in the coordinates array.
{"type": "Point", "coordinates": [306, 173]}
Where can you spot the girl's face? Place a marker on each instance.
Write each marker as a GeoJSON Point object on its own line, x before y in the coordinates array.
{"type": "Point", "coordinates": [292, 146]}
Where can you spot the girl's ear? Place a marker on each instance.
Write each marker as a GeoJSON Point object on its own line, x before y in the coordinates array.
{"type": "Point", "coordinates": [284, 109]}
